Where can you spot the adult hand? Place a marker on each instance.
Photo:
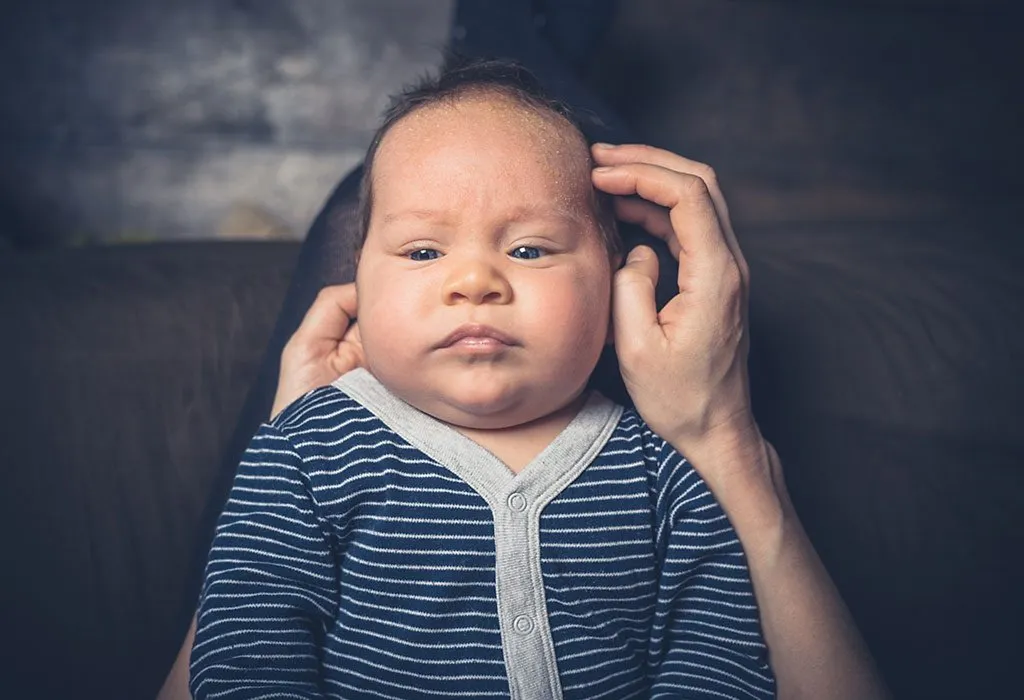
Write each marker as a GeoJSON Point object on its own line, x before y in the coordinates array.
{"type": "Point", "coordinates": [686, 369]}
{"type": "Point", "coordinates": [325, 346]}
{"type": "Point", "coordinates": [686, 366]}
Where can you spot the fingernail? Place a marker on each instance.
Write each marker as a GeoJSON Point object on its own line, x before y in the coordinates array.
{"type": "Point", "coordinates": [636, 254]}
{"type": "Point", "coordinates": [602, 144]}
{"type": "Point", "coordinates": [603, 169]}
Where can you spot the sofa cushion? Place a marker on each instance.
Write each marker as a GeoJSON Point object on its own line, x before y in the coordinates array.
{"type": "Point", "coordinates": [123, 372]}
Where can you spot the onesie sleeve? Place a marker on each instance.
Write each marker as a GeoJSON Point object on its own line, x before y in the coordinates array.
{"type": "Point", "coordinates": [271, 586]}
{"type": "Point", "coordinates": [706, 641]}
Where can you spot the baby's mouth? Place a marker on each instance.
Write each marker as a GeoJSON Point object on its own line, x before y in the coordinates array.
{"type": "Point", "coordinates": [477, 336]}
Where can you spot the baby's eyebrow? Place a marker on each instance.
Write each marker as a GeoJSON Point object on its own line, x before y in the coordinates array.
{"type": "Point", "coordinates": [531, 213]}
{"type": "Point", "coordinates": [519, 214]}
{"type": "Point", "coordinates": [421, 214]}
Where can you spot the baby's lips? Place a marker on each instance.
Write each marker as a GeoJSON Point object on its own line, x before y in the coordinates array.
{"type": "Point", "coordinates": [477, 330]}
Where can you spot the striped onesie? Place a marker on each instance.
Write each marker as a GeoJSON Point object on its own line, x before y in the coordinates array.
{"type": "Point", "coordinates": [368, 550]}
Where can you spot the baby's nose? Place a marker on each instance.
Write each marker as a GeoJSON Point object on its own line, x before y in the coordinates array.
{"type": "Point", "coordinates": [477, 282]}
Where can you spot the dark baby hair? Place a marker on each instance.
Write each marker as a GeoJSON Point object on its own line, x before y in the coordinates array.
{"type": "Point", "coordinates": [461, 77]}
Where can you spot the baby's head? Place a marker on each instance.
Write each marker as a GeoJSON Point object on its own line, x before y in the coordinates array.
{"type": "Point", "coordinates": [484, 276]}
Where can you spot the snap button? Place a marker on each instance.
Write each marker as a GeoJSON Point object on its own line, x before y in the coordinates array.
{"type": "Point", "coordinates": [523, 624]}
{"type": "Point", "coordinates": [517, 501]}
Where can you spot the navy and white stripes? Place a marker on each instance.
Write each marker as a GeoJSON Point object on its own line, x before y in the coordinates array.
{"type": "Point", "coordinates": [348, 563]}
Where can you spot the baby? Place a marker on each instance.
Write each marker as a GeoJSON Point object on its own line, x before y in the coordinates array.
{"type": "Point", "coordinates": [462, 518]}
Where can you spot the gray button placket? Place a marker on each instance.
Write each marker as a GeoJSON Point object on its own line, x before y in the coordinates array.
{"type": "Point", "coordinates": [516, 502]}
{"type": "Point", "coordinates": [525, 630]}
{"type": "Point", "coordinates": [529, 652]}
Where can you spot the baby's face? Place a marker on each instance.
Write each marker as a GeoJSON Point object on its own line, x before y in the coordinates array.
{"type": "Point", "coordinates": [484, 284]}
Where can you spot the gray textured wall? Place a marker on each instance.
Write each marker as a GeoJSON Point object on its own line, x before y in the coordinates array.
{"type": "Point", "coordinates": [142, 119]}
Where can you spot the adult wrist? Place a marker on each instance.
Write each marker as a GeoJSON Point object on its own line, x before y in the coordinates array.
{"type": "Point", "coordinates": [727, 449]}
{"type": "Point", "coordinates": [744, 473]}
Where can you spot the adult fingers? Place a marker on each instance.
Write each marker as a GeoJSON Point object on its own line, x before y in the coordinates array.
{"type": "Point", "coordinates": [695, 223]}
{"type": "Point", "coordinates": [352, 348]}
{"type": "Point", "coordinates": [616, 154]}
{"type": "Point", "coordinates": [352, 335]}
{"type": "Point", "coordinates": [651, 217]}
{"type": "Point", "coordinates": [349, 354]}
{"type": "Point", "coordinates": [608, 155]}
{"type": "Point", "coordinates": [634, 310]}
{"type": "Point", "coordinates": [605, 154]}
{"type": "Point", "coordinates": [330, 315]}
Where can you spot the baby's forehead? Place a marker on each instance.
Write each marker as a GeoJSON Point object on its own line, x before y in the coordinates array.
{"type": "Point", "coordinates": [533, 125]}
{"type": "Point", "coordinates": [489, 117]}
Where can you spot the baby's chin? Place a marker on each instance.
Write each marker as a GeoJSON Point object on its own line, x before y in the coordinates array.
{"type": "Point", "coordinates": [474, 405]}
{"type": "Point", "coordinates": [478, 410]}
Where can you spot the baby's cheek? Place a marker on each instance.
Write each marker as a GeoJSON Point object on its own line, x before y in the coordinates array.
{"type": "Point", "coordinates": [376, 324]}
{"type": "Point", "coordinates": [382, 347]}
{"type": "Point", "coordinates": [394, 327]}
{"type": "Point", "coordinates": [594, 314]}
{"type": "Point", "coordinates": [576, 314]}
{"type": "Point", "coordinates": [380, 330]}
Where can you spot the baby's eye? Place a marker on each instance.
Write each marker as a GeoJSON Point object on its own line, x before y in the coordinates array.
{"type": "Point", "coordinates": [526, 252]}
{"type": "Point", "coordinates": [424, 254]}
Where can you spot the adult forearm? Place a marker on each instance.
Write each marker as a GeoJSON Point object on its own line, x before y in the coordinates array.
{"type": "Point", "coordinates": [175, 686]}
{"type": "Point", "coordinates": [815, 648]}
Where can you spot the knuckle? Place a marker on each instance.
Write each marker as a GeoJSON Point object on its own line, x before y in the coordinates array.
{"type": "Point", "coordinates": [707, 173]}
{"type": "Point", "coordinates": [695, 186]}
{"type": "Point", "coordinates": [745, 271]}
{"type": "Point", "coordinates": [632, 277]}
{"type": "Point", "coordinates": [732, 278]}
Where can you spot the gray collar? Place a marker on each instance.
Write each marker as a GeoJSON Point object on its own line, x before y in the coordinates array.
{"type": "Point", "coordinates": [540, 481]}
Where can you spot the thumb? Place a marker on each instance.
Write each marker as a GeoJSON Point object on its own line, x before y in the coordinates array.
{"type": "Point", "coordinates": [634, 310]}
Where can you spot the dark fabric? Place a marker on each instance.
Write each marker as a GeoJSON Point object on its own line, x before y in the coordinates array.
{"type": "Point", "coordinates": [885, 368]}
{"type": "Point", "coordinates": [507, 29]}
{"type": "Point", "coordinates": [122, 372]}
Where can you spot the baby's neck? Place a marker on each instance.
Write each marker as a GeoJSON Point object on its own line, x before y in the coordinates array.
{"type": "Point", "coordinates": [518, 445]}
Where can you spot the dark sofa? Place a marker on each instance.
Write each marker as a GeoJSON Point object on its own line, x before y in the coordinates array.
{"type": "Point", "coordinates": [885, 369]}
{"type": "Point", "coordinates": [123, 371]}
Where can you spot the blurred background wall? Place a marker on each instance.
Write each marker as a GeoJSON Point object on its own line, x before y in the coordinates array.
{"type": "Point", "coordinates": [133, 120]}
{"type": "Point", "coordinates": [829, 110]}
{"type": "Point", "coordinates": [129, 120]}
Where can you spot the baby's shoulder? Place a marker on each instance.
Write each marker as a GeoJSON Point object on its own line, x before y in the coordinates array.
{"type": "Point", "coordinates": [634, 429]}
{"type": "Point", "coordinates": [668, 469]}
{"type": "Point", "coordinates": [328, 414]}
{"type": "Point", "coordinates": [342, 448]}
